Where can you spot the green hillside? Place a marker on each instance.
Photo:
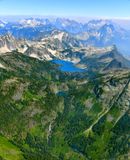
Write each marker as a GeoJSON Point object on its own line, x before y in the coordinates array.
{"type": "Point", "coordinates": [49, 115]}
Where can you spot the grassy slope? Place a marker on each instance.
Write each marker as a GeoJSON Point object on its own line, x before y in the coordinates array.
{"type": "Point", "coordinates": [8, 151]}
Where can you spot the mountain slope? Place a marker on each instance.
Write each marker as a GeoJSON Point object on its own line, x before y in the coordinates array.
{"type": "Point", "coordinates": [48, 114]}
{"type": "Point", "coordinates": [60, 45]}
{"type": "Point", "coordinates": [107, 59]}
{"type": "Point", "coordinates": [9, 151]}
{"type": "Point", "coordinates": [8, 43]}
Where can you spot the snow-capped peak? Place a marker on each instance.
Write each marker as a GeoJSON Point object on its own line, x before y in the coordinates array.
{"type": "Point", "coordinates": [2, 23]}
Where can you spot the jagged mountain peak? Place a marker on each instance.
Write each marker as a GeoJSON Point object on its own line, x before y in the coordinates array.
{"type": "Point", "coordinates": [9, 43]}
{"type": "Point", "coordinates": [7, 36]}
{"type": "Point", "coordinates": [96, 24]}
{"type": "Point", "coordinates": [30, 22]}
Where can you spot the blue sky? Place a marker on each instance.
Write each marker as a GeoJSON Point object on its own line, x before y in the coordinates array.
{"type": "Point", "coordinates": [83, 8]}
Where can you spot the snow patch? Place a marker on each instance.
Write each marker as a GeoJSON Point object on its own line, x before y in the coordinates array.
{"type": "Point", "coordinates": [59, 36]}
{"type": "Point", "coordinates": [53, 52]}
{"type": "Point", "coordinates": [34, 56]}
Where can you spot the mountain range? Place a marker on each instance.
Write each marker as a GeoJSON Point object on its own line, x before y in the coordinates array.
{"type": "Point", "coordinates": [64, 90]}
{"type": "Point", "coordinates": [61, 45]}
{"type": "Point", "coordinates": [99, 33]}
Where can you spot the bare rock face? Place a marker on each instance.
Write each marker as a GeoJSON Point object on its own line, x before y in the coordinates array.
{"type": "Point", "coordinates": [8, 43]}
